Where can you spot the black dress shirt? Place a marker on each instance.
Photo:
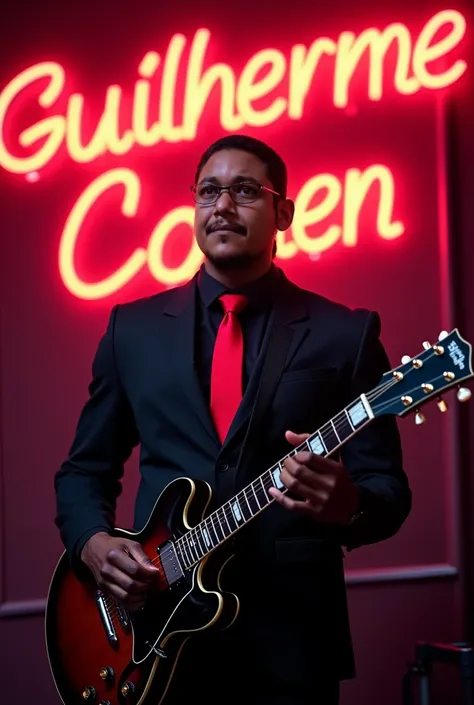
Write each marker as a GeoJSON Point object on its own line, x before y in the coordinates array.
{"type": "Point", "coordinates": [253, 319]}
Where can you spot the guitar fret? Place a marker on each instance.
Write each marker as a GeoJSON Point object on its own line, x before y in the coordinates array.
{"type": "Point", "coordinates": [244, 506]}
{"type": "Point", "coordinates": [186, 550]}
{"type": "Point", "coordinates": [335, 431]}
{"type": "Point", "coordinates": [329, 438]}
{"type": "Point", "coordinates": [262, 497]}
{"type": "Point", "coordinates": [230, 518]}
{"type": "Point", "coordinates": [180, 553]}
{"type": "Point", "coordinates": [255, 495]}
{"type": "Point", "coordinates": [195, 537]}
{"type": "Point", "coordinates": [246, 502]}
{"type": "Point", "coordinates": [345, 427]}
{"type": "Point", "coordinates": [192, 547]}
{"type": "Point", "coordinates": [265, 494]}
{"type": "Point", "coordinates": [194, 544]}
{"type": "Point", "coordinates": [217, 526]}
{"type": "Point", "coordinates": [220, 523]}
{"type": "Point", "coordinates": [212, 530]}
{"type": "Point", "coordinates": [251, 499]}
{"type": "Point", "coordinates": [224, 513]}
{"type": "Point", "coordinates": [202, 541]}
{"type": "Point", "coordinates": [349, 419]}
{"type": "Point", "coordinates": [267, 481]}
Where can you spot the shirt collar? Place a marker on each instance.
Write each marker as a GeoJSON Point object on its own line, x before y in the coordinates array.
{"type": "Point", "coordinates": [259, 292]}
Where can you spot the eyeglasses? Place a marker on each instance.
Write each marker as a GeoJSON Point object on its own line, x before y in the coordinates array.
{"type": "Point", "coordinates": [241, 193]}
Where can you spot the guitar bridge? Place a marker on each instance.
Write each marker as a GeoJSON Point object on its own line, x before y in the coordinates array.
{"type": "Point", "coordinates": [105, 617]}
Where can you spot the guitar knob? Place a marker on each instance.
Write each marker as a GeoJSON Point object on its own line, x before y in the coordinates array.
{"type": "Point", "coordinates": [127, 689]}
{"type": "Point", "coordinates": [426, 345]}
{"type": "Point", "coordinates": [464, 394]}
{"type": "Point", "coordinates": [444, 334]}
{"type": "Point", "coordinates": [406, 359]}
{"type": "Point", "coordinates": [88, 693]}
{"type": "Point", "coordinates": [419, 418]}
{"type": "Point", "coordinates": [107, 673]}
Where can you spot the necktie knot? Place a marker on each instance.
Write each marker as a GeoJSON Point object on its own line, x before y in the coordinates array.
{"type": "Point", "coordinates": [233, 303]}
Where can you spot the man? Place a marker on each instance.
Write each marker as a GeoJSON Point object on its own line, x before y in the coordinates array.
{"type": "Point", "coordinates": [166, 376]}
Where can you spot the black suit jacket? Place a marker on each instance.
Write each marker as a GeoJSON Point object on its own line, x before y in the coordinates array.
{"type": "Point", "coordinates": [145, 390]}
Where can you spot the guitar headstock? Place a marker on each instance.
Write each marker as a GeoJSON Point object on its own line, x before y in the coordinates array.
{"type": "Point", "coordinates": [438, 368]}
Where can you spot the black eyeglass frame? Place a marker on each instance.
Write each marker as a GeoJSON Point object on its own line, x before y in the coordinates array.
{"type": "Point", "coordinates": [261, 187]}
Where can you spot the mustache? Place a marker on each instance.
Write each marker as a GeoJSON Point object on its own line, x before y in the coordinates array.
{"type": "Point", "coordinates": [224, 225]}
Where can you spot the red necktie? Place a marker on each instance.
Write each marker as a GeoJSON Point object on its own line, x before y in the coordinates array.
{"type": "Point", "coordinates": [227, 363]}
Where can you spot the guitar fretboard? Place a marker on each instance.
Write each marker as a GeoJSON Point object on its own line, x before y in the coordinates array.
{"type": "Point", "coordinates": [253, 499]}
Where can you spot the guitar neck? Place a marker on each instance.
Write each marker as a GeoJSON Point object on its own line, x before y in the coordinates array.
{"type": "Point", "coordinates": [253, 499]}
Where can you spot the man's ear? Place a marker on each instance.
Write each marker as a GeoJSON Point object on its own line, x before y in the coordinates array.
{"type": "Point", "coordinates": [285, 213]}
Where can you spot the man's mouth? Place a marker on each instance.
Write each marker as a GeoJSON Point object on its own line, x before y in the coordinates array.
{"type": "Point", "coordinates": [226, 227]}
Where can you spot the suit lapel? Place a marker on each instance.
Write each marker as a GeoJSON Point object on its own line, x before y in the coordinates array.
{"type": "Point", "coordinates": [180, 339]}
{"type": "Point", "coordinates": [289, 310]}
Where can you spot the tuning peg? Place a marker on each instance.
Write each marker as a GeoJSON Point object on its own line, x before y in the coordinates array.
{"type": "Point", "coordinates": [419, 418]}
{"type": "Point", "coordinates": [442, 406]}
{"type": "Point", "coordinates": [426, 345]}
{"type": "Point", "coordinates": [464, 394]}
{"type": "Point", "coordinates": [444, 334]}
{"type": "Point", "coordinates": [406, 359]}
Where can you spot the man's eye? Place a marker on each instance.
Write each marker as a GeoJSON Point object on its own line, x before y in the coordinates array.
{"type": "Point", "coordinates": [207, 191]}
{"type": "Point", "coordinates": [246, 190]}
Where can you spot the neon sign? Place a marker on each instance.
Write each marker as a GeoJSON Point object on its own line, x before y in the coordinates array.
{"type": "Point", "coordinates": [143, 123]}
{"type": "Point", "coordinates": [356, 187]}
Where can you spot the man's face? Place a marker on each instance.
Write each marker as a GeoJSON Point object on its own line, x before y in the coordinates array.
{"type": "Point", "coordinates": [234, 235]}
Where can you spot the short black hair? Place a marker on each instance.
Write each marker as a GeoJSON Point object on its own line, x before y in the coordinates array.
{"type": "Point", "coordinates": [274, 164]}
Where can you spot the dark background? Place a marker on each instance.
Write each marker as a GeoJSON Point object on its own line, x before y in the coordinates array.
{"type": "Point", "coordinates": [417, 585]}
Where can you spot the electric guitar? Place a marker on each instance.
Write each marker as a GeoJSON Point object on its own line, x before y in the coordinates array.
{"type": "Point", "coordinates": [103, 654]}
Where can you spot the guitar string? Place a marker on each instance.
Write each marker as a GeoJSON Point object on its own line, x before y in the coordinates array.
{"type": "Point", "coordinates": [191, 543]}
{"type": "Point", "coordinates": [385, 404]}
{"type": "Point", "coordinates": [188, 543]}
{"type": "Point", "coordinates": [251, 491]}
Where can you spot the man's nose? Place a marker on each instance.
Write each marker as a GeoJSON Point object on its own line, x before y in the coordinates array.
{"type": "Point", "coordinates": [224, 203]}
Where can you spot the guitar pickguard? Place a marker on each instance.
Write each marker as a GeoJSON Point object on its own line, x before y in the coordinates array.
{"type": "Point", "coordinates": [184, 607]}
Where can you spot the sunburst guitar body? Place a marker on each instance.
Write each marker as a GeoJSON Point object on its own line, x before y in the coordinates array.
{"type": "Point", "coordinates": [102, 654]}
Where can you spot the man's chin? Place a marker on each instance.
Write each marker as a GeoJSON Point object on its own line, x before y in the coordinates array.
{"type": "Point", "coordinates": [226, 261]}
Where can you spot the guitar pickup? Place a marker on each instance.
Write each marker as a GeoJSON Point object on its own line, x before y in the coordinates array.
{"type": "Point", "coordinates": [105, 618]}
{"type": "Point", "coordinates": [122, 615]}
{"type": "Point", "coordinates": [170, 562]}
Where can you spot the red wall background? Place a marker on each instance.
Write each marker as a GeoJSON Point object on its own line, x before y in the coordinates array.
{"type": "Point", "coordinates": [414, 586]}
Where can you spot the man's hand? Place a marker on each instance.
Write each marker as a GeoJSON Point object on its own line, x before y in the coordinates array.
{"type": "Point", "coordinates": [324, 486]}
{"type": "Point", "coordinates": [120, 568]}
